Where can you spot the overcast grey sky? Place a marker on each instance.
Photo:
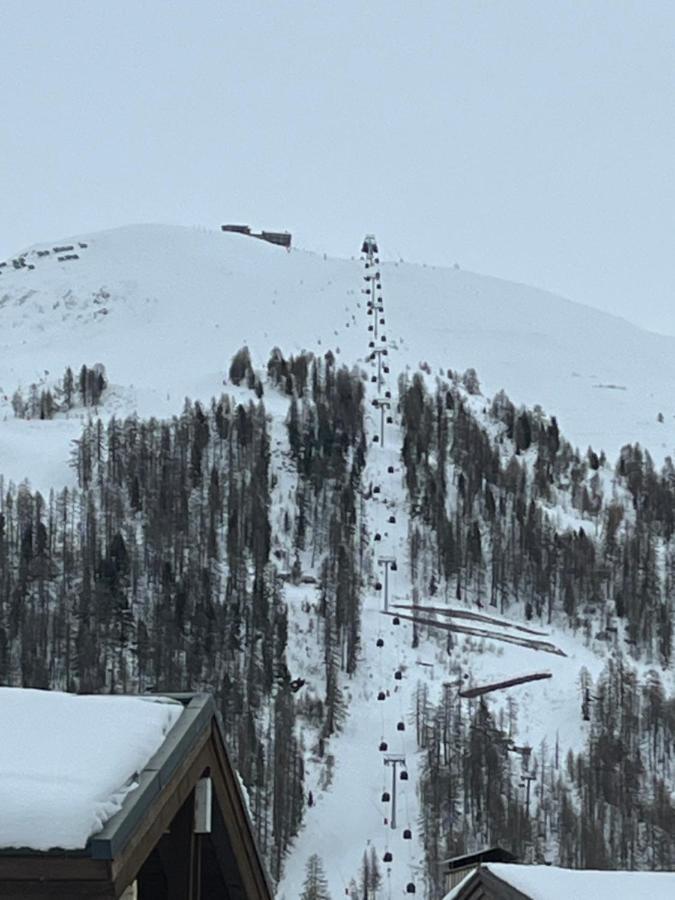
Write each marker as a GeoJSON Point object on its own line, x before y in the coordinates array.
{"type": "Point", "coordinates": [529, 140]}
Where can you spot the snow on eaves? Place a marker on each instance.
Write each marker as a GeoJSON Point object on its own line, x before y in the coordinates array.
{"type": "Point", "coordinates": [554, 883]}
{"type": "Point", "coordinates": [67, 762]}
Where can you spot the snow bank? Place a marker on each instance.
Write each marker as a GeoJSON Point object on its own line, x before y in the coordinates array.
{"type": "Point", "coordinates": [67, 762]}
{"type": "Point", "coordinates": [553, 883]}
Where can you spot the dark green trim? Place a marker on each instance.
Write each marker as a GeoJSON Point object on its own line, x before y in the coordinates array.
{"type": "Point", "coordinates": [56, 853]}
{"type": "Point", "coordinates": [193, 721]}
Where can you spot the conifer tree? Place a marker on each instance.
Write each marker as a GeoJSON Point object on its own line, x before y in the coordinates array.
{"type": "Point", "coordinates": [68, 388]}
{"type": "Point", "coordinates": [375, 873]}
{"type": "Point", "coordinates": [315, 886]}
{"type": "Point", "coordinates": [240, 367]}
{"type": "Point", "coordinates": [364, 877]}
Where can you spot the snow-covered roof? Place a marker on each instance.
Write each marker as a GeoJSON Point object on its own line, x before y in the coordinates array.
{"type": "Point", "coordinates": [67, 762]}
{"type": "Point", "coordinates": [553, 883]}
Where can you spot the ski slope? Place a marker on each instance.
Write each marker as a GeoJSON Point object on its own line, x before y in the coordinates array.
{"type": "Point", "coordinates": [164, 308]}
{"type": "Point", "coordinates": [350, 815]}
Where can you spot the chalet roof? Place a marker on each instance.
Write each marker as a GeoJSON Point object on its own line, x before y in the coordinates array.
{"type": "Point", "coordinates": [489, 854]}
{"type": "Point", "coordinates": [503, 881]}
{"type": "Point", "coordinates": [68, 762]}
{"type": "Point", "coordinates": [188, 743]}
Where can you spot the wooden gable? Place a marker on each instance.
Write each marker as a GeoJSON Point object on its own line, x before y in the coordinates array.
{"type": "Point", "coordinates": [150, 850]}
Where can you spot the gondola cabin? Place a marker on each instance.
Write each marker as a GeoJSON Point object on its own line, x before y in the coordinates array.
{"type": "Point", "coordinates": [113, 797]}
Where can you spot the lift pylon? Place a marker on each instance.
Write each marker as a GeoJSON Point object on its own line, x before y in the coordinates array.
{"type": "Point", "coordinates": [394, 760]}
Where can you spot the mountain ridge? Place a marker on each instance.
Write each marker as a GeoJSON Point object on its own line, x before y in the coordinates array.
{"type": "Point", "coordinates": [153, 298]}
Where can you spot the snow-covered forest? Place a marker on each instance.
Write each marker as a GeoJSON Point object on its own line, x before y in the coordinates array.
{"type": "Point", "coordinates": [351, 548]}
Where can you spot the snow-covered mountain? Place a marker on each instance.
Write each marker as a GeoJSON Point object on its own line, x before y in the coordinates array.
{"type": "Point", "coordinates": [164, 309]}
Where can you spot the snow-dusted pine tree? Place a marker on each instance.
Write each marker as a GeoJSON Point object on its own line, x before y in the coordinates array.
{"type": "Point", "coordinates": [315, 886]}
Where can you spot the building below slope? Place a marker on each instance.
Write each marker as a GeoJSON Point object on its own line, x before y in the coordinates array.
{"type": "Point", "coordinates": [281, 238]}
{"type": "Point", "coordinates": [456, 869]}
{"type": "Point", "coordinates": [176, 828]}
{"type": "Point", "coordinates": [503, 881]}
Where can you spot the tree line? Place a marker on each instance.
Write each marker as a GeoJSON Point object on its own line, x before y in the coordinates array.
{"type": "Point", "coordinates": [44, 402]}
{"type": "Point", "coordinates": [485, 483]}
{"type": "Point", "coordinates": [484, 490]}
{"type": "Point", "coordinates": [606, 807]}
{"type": "Point", "coordinates": [160, 572]}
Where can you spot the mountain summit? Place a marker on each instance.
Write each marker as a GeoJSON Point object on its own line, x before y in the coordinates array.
{"type": "Point", "coordinates": [166, 307]}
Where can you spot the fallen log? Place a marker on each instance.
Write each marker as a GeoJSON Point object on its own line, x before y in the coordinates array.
{"type": "Point", "coordinates": [466, 614]}
{"type": "Point", "coordinates": [544, 646]}
{"type": "Point", "coordinates": [500, 685]}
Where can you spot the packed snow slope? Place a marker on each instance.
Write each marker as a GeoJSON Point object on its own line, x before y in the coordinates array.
{"type": "Point", "coordinates": [164, 308]}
